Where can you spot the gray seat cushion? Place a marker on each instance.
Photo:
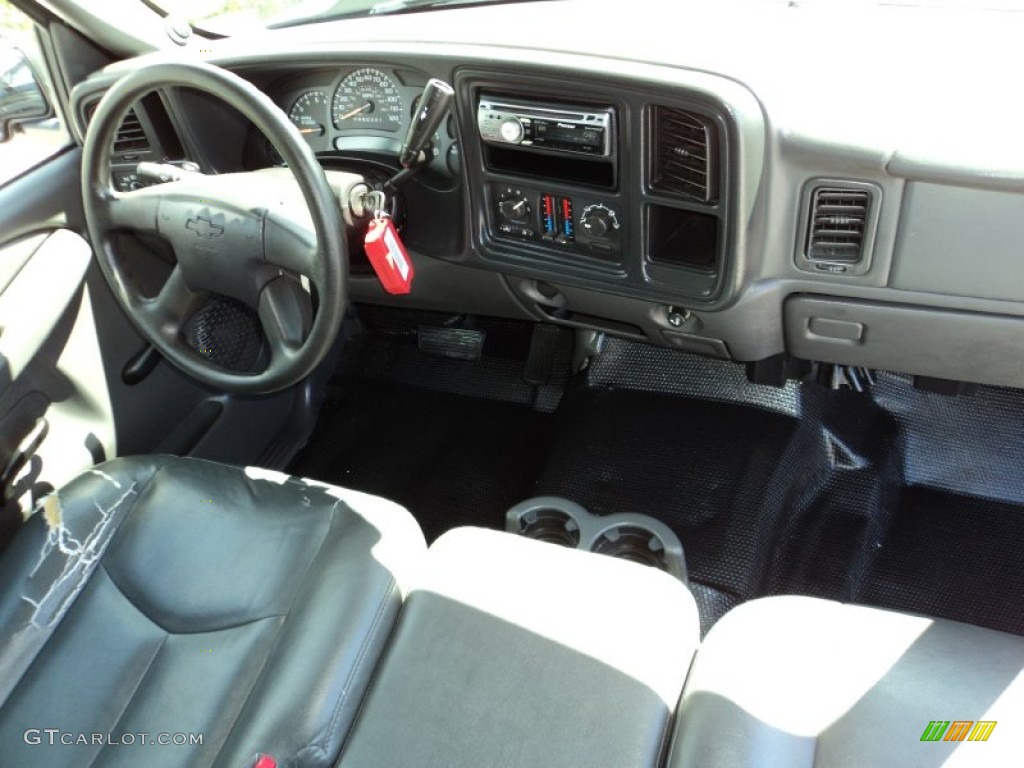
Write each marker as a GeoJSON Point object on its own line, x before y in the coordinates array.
{"type": "Point", "coordinates": [797, 681]}
{"type": "Point", "coordinates": [512, 652]}
{"type": "Point", "coordinates": [161, 595]}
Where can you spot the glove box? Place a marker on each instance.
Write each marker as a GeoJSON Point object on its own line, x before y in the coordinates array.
{"type": "Point", "coordinates": [942, 343]}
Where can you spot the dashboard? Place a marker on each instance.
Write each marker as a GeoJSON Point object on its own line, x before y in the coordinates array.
{"type": "Point", "coordinates": [720, 198]}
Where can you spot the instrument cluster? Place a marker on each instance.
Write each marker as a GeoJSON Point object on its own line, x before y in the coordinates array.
{"type": "Point", "coordinates": [365, 109]}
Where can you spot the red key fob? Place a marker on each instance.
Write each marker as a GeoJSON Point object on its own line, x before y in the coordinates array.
{"type": "Point", "coordinates": [388, 256]}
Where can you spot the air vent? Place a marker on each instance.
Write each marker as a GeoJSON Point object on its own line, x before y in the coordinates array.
{"type": "Point", "coordinates": [684, 162]}
{"type": "Point", "coordinates": [838, 222]}
{"type": "Point", "coordinates": [130, 136]}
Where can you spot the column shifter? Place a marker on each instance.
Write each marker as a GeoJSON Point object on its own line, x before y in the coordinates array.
{"type": "Point", "coordinates": [430, 111]}
{"type": "Point", "coordinates": [431, 108]}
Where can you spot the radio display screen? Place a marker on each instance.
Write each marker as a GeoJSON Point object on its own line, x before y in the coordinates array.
{"type": "Point", "coordinates": [580, 135]}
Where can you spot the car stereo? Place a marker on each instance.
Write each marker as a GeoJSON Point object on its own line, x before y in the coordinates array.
{"type": "Point", "coordinates": [543, 126]}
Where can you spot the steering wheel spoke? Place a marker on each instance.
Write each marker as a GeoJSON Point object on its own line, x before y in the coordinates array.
{"type": "Point", "coordinates": [290, 244]}
{"type": "Point", "coordinates": [134, 211]}
{"type": "Point", "coordinates": [169, 311]}
{"type": "Point", "coordinates": [285, 313]}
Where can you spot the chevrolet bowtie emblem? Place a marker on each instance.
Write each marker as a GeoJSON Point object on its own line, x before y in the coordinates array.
{"type": "Point", "coordinates": [204, 228]}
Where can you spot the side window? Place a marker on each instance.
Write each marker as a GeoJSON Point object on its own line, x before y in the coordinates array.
{"type": "Point", "coordinates": [30, 130]}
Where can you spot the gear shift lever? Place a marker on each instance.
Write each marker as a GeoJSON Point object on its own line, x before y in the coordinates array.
{"type": "Point", "coordinates": [430, 111]}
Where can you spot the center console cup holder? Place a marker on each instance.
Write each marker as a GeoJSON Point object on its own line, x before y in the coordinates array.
{"type": "Point", "coordinates": [629, 536]}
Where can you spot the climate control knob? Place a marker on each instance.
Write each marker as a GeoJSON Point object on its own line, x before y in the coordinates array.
{"type": "Point", "coordinates": [512, 131]}
{"type": "Point", "coordinates": [599, 221]}
{"type": "Point", "coordinates": [514, 208]}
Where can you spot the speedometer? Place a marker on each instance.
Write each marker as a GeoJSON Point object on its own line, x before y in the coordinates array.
{"type": "Point", "coordinates": [367, 98]}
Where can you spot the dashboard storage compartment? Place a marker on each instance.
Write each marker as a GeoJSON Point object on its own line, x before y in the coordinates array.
{"type": "Point", "coordinates": [518, 162]}
{"type": "Point", "coordinates": [924, 341]}
{"type": "Point", "coordinates": [682, 238]}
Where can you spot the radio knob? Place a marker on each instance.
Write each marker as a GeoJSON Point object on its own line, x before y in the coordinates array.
{"type": "Point", "coordinates": [599, 221]}
{"type": "Point", "coordinates": [512, 130]}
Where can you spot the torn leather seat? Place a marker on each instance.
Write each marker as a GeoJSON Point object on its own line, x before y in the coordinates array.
{"type": "Point", "coordinates": [174, 596]}
{"type": "Point", "coordinates": [800, 682]}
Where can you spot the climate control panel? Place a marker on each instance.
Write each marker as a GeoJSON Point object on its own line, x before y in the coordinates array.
{"type": "Point", "coordinates": [569, 222]}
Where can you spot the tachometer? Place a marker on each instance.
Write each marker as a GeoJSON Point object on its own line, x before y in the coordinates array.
{"type": "Point", "coordinates": [367, 98]}
{"type": "Point", "coordinates": [309, 113]}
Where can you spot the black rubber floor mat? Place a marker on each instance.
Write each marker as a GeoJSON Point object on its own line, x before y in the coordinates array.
{"type": "Point", "coordinates": [390, 350]}
{"type": "Point", "coordinates": [625, 364]}
{"type": "Point", "coordinates": [953, 556]}
{"type": "Point", "coordinates": [700, 467]}
{"type": "Point", "coordinates": [860, 527]}
{"type": "Point", "coordinates": [450, 460]}
{"type": "Point", "coordinates": [711, 604]}
{"type": "Point", "coordinates": [970, 445]}
{"type": "Point", "coordinates": [842, 477]}
{"type": "Point", "coordinates": [898, 498]}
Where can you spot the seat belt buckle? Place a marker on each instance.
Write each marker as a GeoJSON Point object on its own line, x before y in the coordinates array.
{"type": "Point", "coordinates": [265, 761]}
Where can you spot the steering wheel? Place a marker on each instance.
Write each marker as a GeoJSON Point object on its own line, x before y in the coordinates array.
{"type": "Point", "coordinates": [247, 236]}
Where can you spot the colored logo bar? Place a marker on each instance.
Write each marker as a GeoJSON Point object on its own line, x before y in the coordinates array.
{"type": "Point", "coordinates": [958, 730]}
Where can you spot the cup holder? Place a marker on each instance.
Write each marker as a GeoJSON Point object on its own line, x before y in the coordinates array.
{"type": "Point", "coordinates": [628, 536]}
{"type": "Point", "coordinates": [547, 518]}
{"type": "Point", "coordinates": [631, 542]}
{"type": "Point", "coordinates": [551, 525]}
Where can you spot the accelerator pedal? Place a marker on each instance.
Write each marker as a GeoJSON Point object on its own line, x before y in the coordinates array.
{"type": "Point", "coordinates": [544, 346]}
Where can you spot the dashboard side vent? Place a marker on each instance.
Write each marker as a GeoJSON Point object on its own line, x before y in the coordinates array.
{"type": "Point", "coordinates": [837, 225]}
{"type": "Point", "coordinates": [684, 161]}
{"type": "Point", "coordinates": [130, 136]}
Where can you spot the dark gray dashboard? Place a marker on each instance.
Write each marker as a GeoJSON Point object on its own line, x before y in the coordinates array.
{"type": "Point", "coordinates": [763, 266]}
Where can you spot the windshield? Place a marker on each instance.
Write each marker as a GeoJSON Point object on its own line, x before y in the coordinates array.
{"type": "Point", "coordinates": [231, 16]}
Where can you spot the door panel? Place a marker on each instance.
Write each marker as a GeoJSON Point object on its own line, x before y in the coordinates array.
{"type": "Point", "coordinates": [56, 417]}
{"type": "Point", "coordinates": [46, 198]}
{"type": "Point", "coordinates": [44, 288]}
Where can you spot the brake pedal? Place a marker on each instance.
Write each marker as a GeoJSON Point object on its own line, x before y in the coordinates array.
{"type": "Point", "coordinates": [452, 343]}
